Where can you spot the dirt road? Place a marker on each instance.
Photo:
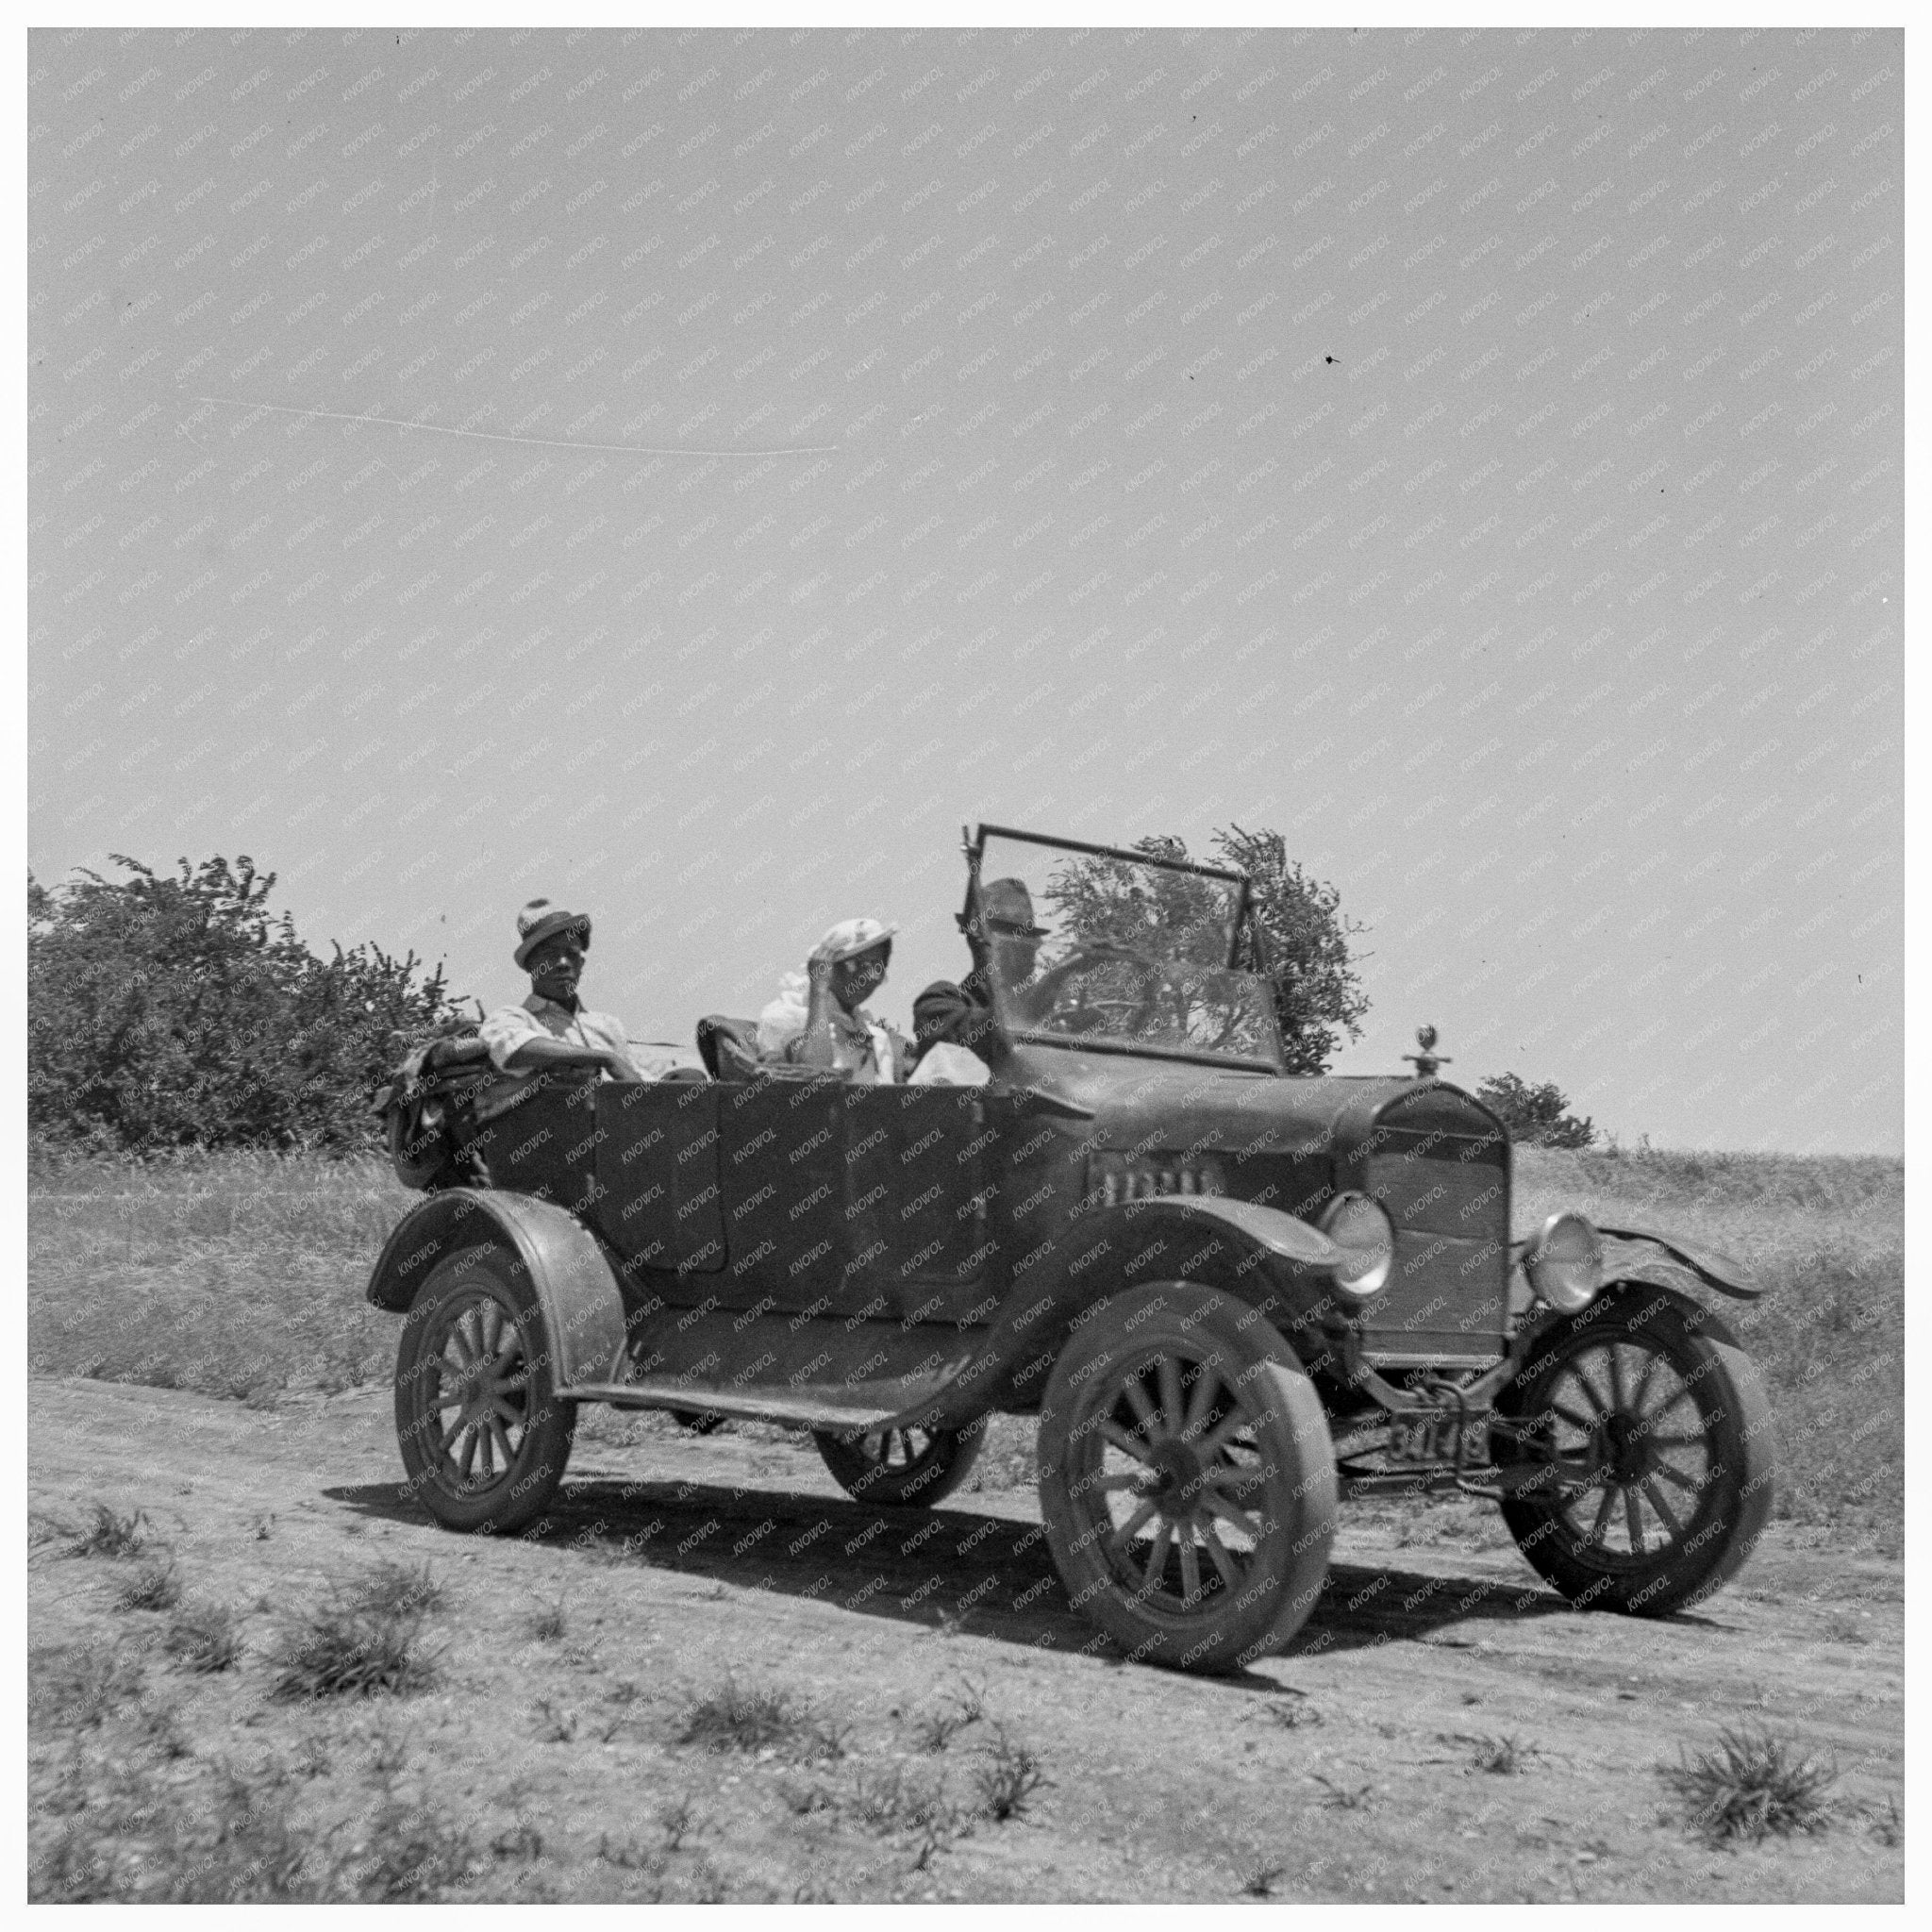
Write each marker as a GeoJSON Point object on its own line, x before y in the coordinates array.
{"type": "Point", "coordinates": [1352, 1768]}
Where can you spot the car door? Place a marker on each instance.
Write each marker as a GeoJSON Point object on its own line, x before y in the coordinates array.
{"type": "Point", "coordinates": [657, 1194]}
{"type": "Point", "coordinates": [781, 1172]}
{"type": "Point", "coordinates": [917, 1202]}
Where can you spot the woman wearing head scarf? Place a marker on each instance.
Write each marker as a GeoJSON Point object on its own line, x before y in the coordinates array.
{"type": "Point", "coordinates": [818, 1018]}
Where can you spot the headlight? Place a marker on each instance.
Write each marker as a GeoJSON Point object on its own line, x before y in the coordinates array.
{"type": "Point", "coordinates": [1565, 1263]}
{"type": "Point", "coordinates": [1361, 1229]}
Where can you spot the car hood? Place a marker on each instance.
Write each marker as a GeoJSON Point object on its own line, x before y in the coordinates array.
{"type": "Point", "coordinates": [1147, 1104]}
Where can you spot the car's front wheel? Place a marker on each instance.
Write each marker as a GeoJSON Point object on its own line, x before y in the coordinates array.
{"type": "Point", "coordinates": [902, 1469]}
{"type": "Point", "coordinates": [483, 1433]}
{"type": "Point", "coordinates": [1187, 1478]}
{"type": "Point", "coordinates": [1646, 1437]}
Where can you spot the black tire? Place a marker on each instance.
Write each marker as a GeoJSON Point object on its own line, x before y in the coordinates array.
{"type": "Point", "coordinates": [1656, 1435]}
{"type": "Point", "coordinates": [484, 1436]}
{"type": "Point", "coordinates": [902, 1469]}
{"type": "Point", "coordinates": [1191, 1411]}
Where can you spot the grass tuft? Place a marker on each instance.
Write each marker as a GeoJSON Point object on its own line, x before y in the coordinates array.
{"type": "Point", "coordinates": [521, 1841]}
{"type": "Point", "coordinates": [365, 1641]}
{"type": "Point", "coordinates": [154, 1588]}
{"type": "Point", "coordinates": [630, 1855]}
{"type": "Point", "coordinates": [804, 1799]}
{"type": "Point", "coordinates": [1502, 1757]}
{"type": "Point", "coordinates": [1290, 1709]}
{"type": "Point", "coordinates": [891, 1798]}
{"type": "Point", "coordinates": [203, 1637]}
{"type": "Point", "coordinates": [1343, 1797]}
{"type": "Point", "coordinates": [1007, 1780]}
{"type": "Point", "coordinates": [1886, 1821]}
{"type": "Point", "coordinates": [416, 1855]}
{"type": "Point", "coordinates": [397, 1589]}
{"type": "Point", "coordinates": [110, 1534]}
{"type": "Point", "coordinates": [1754, 1785]}
{"type": "Point", "coordinates": [554, 1724]}
{"type": "Point", "coordinates": [936, 1730]}
{"type": "Point", "coordinates": [678, 1821]}
{"type": "Point", "coordinates": [1259, 1880]}
{"type": "Point", "coordinates": [748, 1718]}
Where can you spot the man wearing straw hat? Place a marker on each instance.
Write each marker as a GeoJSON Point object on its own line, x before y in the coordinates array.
{"type": "Point", "coordinates": [552, 1031]}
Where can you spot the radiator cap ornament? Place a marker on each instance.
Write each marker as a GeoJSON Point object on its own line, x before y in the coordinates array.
{"type": "Point", "coordinates": [1427, 1061]}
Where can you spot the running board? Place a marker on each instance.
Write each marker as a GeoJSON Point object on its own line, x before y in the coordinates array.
{"type": "Point", "coordinates": [818, 1411]}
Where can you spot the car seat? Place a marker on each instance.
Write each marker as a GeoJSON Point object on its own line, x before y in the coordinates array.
{"type": "Point", "coordinates": [729, 1047]}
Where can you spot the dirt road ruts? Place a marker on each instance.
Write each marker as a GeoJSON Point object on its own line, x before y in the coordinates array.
{"type": "Point", "coordinates": [1350, 1768]}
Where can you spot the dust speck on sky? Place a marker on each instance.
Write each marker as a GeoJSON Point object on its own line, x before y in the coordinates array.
{"type": "Point", "coordinates": [1478, 455]}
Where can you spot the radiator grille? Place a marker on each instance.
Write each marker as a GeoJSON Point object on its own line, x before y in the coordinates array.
{"type": "Point", "coordinates": [1445, 1184]}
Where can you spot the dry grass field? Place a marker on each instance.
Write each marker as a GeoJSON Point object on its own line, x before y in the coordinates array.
{"type": "Point", "coordinates": [241, 1276]}
{"type": "Point", "coordinates": [257, 1672]}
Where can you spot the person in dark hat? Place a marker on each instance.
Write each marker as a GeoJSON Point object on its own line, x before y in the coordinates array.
{"type": "Point", "coordinates": [553, 1029]}
{"type": "Point", "coordinates": [961, 1014]}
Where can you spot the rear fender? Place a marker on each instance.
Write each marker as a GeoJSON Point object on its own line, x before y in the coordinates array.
{"type": "Point", "coordinates": [1271, 1261]}
{"type": "Point", "coordinates": [575, 1288]}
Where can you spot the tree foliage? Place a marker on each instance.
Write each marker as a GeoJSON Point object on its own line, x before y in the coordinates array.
{"type": "Point", "coordinates": [1319, 999]}
{"type": "Point", "coordinates": [1536, 1116]}
{"type": "Point", "coordinates": [1305, 938]}
{"type": "Point", "coordinates": [176, 1010]}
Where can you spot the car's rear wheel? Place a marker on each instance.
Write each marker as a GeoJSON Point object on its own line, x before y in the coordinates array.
{"type": "Point", "coordinates": [1187, 1478]}
{"type": "Point", "coordinates": [483, 1433]}
{"type": "Point", "coordinates": [902, 1469]}
{"type": "Point", "coordinates": [1651, 1437]}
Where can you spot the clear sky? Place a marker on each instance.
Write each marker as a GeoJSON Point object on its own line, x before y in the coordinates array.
{"type": "Point", "coordinates": [1476, 455]}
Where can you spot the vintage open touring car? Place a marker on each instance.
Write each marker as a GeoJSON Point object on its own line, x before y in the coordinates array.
{"type": "Point", "coordinates": [1230, 1296]}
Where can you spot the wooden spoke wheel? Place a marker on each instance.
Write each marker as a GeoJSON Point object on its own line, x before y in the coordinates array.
{"type": "Point", "coordinates": [1651, 1436]}
{"type": "Point", "coordinates": [1187, 1478]}
{"type": "Point", "coordinates": [904, 1468]}
{"type": "Point", "coordinates": [483, 1434]}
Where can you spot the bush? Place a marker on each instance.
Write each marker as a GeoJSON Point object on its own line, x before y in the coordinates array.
{"type": "Point", "coordinates": [1536, 1116]}
{"type": "Point", "coordinates": [177, 1012]}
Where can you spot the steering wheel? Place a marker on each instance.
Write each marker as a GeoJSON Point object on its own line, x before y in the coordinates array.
{"type": "Point", "coordinates": [1090, 959]}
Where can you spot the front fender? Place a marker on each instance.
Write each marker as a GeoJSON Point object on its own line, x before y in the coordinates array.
{"type": "Point", "coordinates": [1619, 1299]}
{"type": "Point", "coordinates": [1204, 1238]}
{"type": "Point", "coordinates": [1717, 1270]}
{"type": "Point", "coordinates": [574, 1286]}
{"type": "Point", "coordinates": [1271, 1260]}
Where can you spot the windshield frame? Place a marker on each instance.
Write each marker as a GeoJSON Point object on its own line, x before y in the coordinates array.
{"type": "Point", "coordinates": [1275, 1062]}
